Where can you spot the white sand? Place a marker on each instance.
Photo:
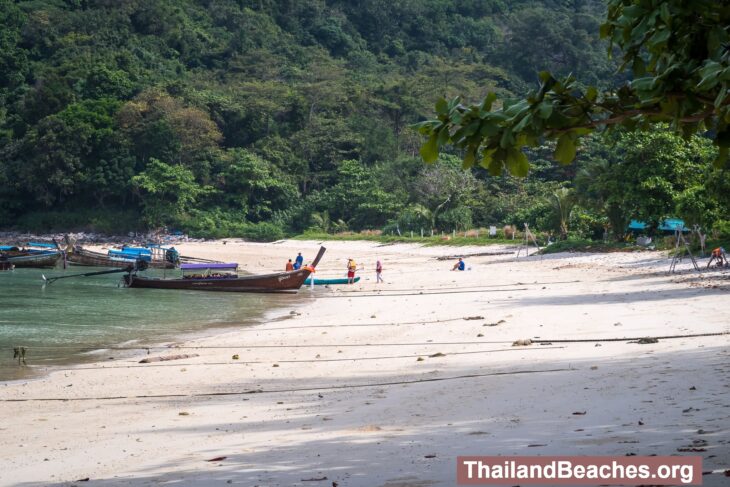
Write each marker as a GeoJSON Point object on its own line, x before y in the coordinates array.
{"type": "Point", "coordinates": [350, 401]}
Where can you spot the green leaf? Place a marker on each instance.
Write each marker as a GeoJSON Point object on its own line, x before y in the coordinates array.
{"type": "Point", "coordinates": [442, 106]}
{"type": "Point", "coordinates": [545, 109]}
{"type": "Point", "coordinates": [517, 162]}
{"type": "Point", "coordinates": [664, 14]}
{"type": "Point", "coordinates": [522, 123]}
{"type": "Point", "coordinates": [605, 30]}
{"type": "Point", "coordinates": [487, 157]}
{"type": "Point", "coordinates": [660, 36]}
{"type": "Point", "coordinates": [443, 136]}
{"type": "Point", "coordinates": [430, 150]}
{"type": "Point", "coordinates": [469, 158]}
{"type": "Point", "coordinates": [487, 103]}
{"type": "Point", "coordinates": [591, 94]}
{"type": "Point", "coordinates": [565, 150]}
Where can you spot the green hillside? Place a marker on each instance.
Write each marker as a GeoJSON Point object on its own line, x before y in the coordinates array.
{"type": "Point", "coordinates": [261, 118]}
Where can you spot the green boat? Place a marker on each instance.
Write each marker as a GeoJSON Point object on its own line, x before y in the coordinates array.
{"type": "Point", "coordinates": [327, 282]}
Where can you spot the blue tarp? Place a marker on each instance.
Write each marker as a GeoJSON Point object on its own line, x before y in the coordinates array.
{"type": "Point", "coordinates": [136, 250]}
{"type": "Point", "coordinates": [668, 225]}
{"type": "Point", "coordinates": [130, 255]}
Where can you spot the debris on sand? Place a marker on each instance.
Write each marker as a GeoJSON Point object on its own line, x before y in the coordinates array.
{"type": "Point", "coordinates": [436, 355]}
{"type": "Point", "coordinates": [645, 340]}
{"type": "Point", "coordinates": [169, 357]}
{"type": "Point", "coordinates": [525, 342]}
{"type": "Point", "coordinates": [469, 318]}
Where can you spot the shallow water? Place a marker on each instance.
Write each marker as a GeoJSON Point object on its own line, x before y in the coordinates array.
{"type": "Point", "coordinates": [70, 320]}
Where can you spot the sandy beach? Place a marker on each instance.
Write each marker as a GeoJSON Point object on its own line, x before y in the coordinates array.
{"type": "Point", "coordinates": [386, 384]}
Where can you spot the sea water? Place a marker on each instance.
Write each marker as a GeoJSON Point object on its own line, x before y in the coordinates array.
{"type": "Point", "coordinates": [78, 319]}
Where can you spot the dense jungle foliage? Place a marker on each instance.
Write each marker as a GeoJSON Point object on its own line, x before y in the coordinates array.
{"type": "Point", "coordinates": [261, 118]}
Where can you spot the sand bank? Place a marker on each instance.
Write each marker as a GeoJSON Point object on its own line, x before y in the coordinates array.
{"type": "Point", "coordinates": [384, 385]}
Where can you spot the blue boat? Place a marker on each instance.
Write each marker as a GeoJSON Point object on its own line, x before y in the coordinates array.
{"type": "Point", "coordinates": [327, 282]}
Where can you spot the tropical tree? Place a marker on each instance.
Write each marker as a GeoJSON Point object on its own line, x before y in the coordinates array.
{"type": "Point", "coordinates": [678, 56]}
{"type": "Point", "coordinates": [168, 191]}
{"type": "Point", "coordinates": [563, 201]}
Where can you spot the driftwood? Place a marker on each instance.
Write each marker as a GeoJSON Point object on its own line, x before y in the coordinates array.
{"type": "Point", "coordinates": [168, 357]}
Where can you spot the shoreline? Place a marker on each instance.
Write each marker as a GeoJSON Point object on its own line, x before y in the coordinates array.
{"type": "Point", "coordinates": [373, 386]}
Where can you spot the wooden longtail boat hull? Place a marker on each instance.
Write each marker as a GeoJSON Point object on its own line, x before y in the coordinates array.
{"type": "Point", "coordinates": [49, 259]}
{"type": "Point", "coordinates": [84, 257]}
{"type": "Point", "coordinates": [279, 282]}
{"type": "Point", "coordinates": [268, 283]}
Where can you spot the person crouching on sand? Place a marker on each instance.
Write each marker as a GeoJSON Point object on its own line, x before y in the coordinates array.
{"type": "Point", "coordinates": [459, 266]}
{"type": "Point", "coordinates": [351, 268]}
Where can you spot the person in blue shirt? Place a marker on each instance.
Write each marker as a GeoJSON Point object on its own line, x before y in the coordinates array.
{"type": "Point", "coordinates": [298, 261]}
{"type": "Point", "coordinates": [459, 266]}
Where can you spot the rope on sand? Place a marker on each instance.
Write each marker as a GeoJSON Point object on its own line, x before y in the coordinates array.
{"type": "Point", "coordinates": [361, 345]}
{"type": "Point", "coordinates": [425, 294]}
{"type": "Point", "coordinates": [300, 389]}
{"type": "Point", "coordinates": [387, 290]}
{"type": "Point", "coordinates": [315, 360]}
{"type": "Point", "coordinates": [668, 337]}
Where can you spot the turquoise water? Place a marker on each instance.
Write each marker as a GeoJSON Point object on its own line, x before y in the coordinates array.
{"type": "Point", "coordinates": [67, 321]}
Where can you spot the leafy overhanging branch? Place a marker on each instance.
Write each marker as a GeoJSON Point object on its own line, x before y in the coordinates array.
{"type": "Point", "coordinates": [679, 57]}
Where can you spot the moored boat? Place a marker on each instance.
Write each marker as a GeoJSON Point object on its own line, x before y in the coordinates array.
{"type": "Point", "coordinates": [84, 257]}
{"type": "Point", "coordinates": [224, 277]}
{"type": "Point", "coordinates": [327, 282]}
{"type": "Point", "coordinates": [35, 259]}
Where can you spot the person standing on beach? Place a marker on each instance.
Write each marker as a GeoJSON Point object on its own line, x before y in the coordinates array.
{"type": "Point", "coordinates": [379, 272]}
{"type": "Point", "coordinates": [289, 266]}
{"type": "Point", "coordinates": [351, 268]}
{"type": "Point", "coordinates": [298, 261]}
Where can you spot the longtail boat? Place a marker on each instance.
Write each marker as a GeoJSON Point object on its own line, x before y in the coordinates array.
{"type": "Point", "coordinates": [327, 282]}
{"type": "Point", "coordinates": [81, 256]}
{"type": "Point", "coordinates": [34, 259]}
{"type": "Point", "coordinates": [224, 277]}
{"type": "Point", "coordinates": [6, 266]}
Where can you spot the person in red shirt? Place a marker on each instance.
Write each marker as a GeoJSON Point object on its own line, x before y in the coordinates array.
{"type": "Point", "coordinates": [289, 266]}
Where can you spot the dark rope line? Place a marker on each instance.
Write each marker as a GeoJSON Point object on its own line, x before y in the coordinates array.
{"type": "Point", "coordinates": [352, 345]}
{"type": "Point", "coordinates": [301, 389]}
{"type": "Point", "coordinates": [254, 328]}
{"type": "Point", "coordinates": [228, 347]}
{"type": "Point", "coordinates": [466, 287]}
{"type": "Point", "coordinates": [258, 362]}
{"type": "Point", "coordinates": [668, 337]}
{"type": "Point", "coordinates": [425, 294]}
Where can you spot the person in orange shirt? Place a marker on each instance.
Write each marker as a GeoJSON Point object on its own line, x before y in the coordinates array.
{"type": "Point", "coordinates": [289, 266]}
